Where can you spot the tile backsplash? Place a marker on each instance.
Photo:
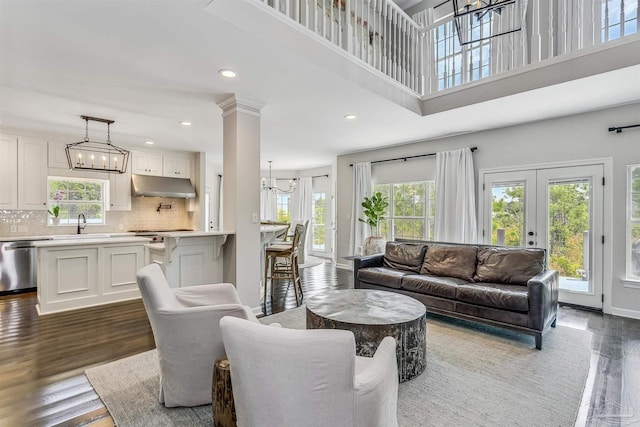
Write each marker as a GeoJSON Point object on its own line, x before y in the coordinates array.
{"type": "Point", "coordinates": [142, 216]}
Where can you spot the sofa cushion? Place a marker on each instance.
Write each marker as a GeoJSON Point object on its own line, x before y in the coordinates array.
{"type": "Point", "coordinates": [506, 297]}
{"type": "Point", "coordinates": [450, 261]}
{"type": "Point", "coordinates": [514, 266]}
{"type": "Point", "coordinates": [444, 287]}
{"type": "Point", "coordinates": [382, 276]}
{"type": "Point", "coordinates": [404, 256]}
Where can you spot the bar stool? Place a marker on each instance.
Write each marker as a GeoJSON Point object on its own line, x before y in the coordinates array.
{"type": "Point", "coordinates": [281, 262]}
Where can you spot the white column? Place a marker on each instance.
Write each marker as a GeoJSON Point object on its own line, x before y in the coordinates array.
{"type": "Point", "coordinates": [241, 195]}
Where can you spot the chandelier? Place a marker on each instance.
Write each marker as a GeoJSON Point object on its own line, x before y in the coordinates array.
{"type": "Point", "coordinates": [97, 156]}
{"type": "Point", "coordinates": [480, 20]}
{"type": "Point", "coordinates": [275, 189]}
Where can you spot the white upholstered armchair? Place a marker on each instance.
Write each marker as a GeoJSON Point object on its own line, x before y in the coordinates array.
{"type": "Point", "coordinates": [185, 324]}
{"type": "Point", "coordinates": [287, 377]}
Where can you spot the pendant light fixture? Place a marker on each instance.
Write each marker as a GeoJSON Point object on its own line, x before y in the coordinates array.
{"type": "Point", "coordinates": [478, 20]}
{"type": "Point", "coordinates": [97, 156]}
{"type": "Point", "coordinates": [275, 189]}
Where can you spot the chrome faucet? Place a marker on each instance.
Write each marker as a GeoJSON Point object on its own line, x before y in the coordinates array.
{"type": "Point", "coordinates": [84, 223]}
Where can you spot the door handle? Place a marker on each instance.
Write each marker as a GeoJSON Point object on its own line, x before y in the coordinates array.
{"type": "Point", "coordinates": [530, 233]}
{"type": "Point", "coordinates": [530, 242]}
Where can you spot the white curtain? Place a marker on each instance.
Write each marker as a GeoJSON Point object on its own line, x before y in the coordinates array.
{"type": "Point", "coordinates": [268, 203]}
{"type": "Point", "coordinates": [361, 189]}
{"type": "Point", "coordinates": [455, 197]}
{"type": "Point", "coordinates": [303, 209]}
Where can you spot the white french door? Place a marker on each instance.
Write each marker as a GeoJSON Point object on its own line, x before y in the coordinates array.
{"type": "Point", "coordinates": [558, 209]}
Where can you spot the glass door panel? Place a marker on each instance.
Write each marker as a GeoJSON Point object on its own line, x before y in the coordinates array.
{"type": "Point", "coordinates": [510, 198]}
{"type": "Point", "coordinates": [570, 213]}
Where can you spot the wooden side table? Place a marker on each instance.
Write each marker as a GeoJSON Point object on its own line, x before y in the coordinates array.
{"type": "Point", "coordinates": [224, 410]}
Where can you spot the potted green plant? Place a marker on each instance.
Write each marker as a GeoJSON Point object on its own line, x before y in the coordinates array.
{"type": "Point", "coordinates": [374, 210]}
{"type": "Point", "coordinates": [55, 211]}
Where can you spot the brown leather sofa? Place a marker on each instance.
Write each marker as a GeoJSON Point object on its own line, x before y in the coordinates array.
{"type": "Point", "coordinates": [499, 286]}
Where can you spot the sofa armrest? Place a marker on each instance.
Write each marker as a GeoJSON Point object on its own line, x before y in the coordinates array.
{"type": "Point", "coordinates": [364, 262]}
{"type": "Point", "coordinates": [543, 299]}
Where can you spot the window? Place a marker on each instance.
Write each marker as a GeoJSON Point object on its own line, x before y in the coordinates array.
{"type": "Point", "coordinates": [619, 18]}
{"type": "Point", "coordinates": [283, 202]}
{"type": "Point", "coordinates": [319, 216]}
{"type": "Point", "coordinates": [633, 223]}
{"type": "Point", "coordinates": [77, 196]}
{"type": "Point", "coordinates": [456, 64]}
{"type": "Point", "coordinates": [411, 210]}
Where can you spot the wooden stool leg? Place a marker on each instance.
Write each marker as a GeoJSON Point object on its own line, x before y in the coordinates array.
{"type": "Point", "coordinates": [298, 281]}
{"type": "Point", "coordinates": [266, 269]}
{"type": "Point", "coordinates": [292, 276]}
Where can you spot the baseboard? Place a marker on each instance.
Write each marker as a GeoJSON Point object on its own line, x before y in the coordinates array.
{"type": "Point", "coordinates": [623, 312]}
{"type": "Point", "coordinates": [344, 266]}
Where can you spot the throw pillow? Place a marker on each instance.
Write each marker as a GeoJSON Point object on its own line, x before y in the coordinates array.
{"type": "Point", "coordinates": [404, 256]}
{"type": "Point", "coordinates": [508, 265]}
{"type": "Point", "coordinates": [450, 261]}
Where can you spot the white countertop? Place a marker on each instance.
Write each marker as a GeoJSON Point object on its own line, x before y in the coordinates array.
{"type": "Point", "coordinates": [194, 233]}
{"type": "Point", "coordinates": [71, 241]}
{"type": "Point", "coordinates": [22, 238]}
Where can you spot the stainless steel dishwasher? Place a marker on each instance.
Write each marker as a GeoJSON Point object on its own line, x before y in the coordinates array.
{"type": "Point", "coordinates": [17, 266]}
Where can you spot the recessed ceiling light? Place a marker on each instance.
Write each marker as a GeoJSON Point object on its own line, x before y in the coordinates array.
{"type": "Point", "coordinates": [149, 142]}
{"type": "Point", "coordinates": [185, 123]}
{"type": "Point", "coordinates": [230, 74]}
{"type": "Point", "coordinates": [350, 117]}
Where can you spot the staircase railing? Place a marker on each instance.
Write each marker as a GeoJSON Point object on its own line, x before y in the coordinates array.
{"type": "Point", "coordinates": [377, 32]}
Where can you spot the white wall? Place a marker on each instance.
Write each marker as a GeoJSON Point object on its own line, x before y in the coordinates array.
{"type": "Point", "coordinates": [583, 136]}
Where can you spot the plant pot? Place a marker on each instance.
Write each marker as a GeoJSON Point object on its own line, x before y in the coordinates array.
{"type": "Point", "coordinates": [55, 220]}
{"type": "Point", "coordinates": [373, 245]}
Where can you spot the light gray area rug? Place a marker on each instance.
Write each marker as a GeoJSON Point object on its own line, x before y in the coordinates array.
{"type": "Point", "coordinates": [475, 376]}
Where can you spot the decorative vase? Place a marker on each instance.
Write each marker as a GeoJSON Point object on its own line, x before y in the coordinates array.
{"type": "Point", "coordinates": [55, 220]}
{"type": "Point", "coordinates": [373, 245]}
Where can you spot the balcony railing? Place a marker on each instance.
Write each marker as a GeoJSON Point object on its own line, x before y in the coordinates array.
{"type": "Point", "coordinates": [377, 32]}
{"type": "Point", "coordinates": [424, 54]}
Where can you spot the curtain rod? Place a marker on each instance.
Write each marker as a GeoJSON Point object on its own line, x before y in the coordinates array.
{"type": "Point", "coordinates": [315, 176]}
{"type": "Point", "coordinates": [295, 179]}
{"type": "Point", "coordinates": [619, 129]}
{"type": "Point", "coordinates": [405, 158]}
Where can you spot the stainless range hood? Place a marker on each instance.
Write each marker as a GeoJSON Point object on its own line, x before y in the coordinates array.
{"type": "Point", "coordinates": [161, 186]}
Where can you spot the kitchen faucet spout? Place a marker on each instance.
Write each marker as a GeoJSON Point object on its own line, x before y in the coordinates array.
{"type": "Point", "coordinates": [84, 223]}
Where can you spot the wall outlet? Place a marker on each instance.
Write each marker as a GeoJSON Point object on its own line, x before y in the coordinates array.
{"type": "Point", "coordinates": [254, 218]}
{"type": "Point", "coordinates": [14, 228]}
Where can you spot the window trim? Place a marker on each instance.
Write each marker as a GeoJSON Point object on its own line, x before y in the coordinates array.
{"type": "Point", "coordinates": [630, 280]}
{"type": "Point", "coordinates": [104, 202]}
{"type": "Point", "coordinates": [428, 220]}
{"type": "Point", "coordinates": [313, 223]}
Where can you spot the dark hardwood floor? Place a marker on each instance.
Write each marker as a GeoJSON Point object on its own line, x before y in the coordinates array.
{"type": "Point", "coordinates": [42, 359]}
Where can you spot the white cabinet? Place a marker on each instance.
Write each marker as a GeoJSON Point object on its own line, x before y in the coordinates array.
{"type": "Point", "coordinates": [121, 263]}
{"type": "Point", "coordinates": [32, 174]}
{"type": "Point", "coordinates": [85, 273]}
{"type": "Point", "coordinates": [58, 156]}
{"type": "Point", "coordinates": [177, 167]}
{"type": "Point", "coordinates": [146, 164]}
{"type": "Point", "coordinates": [120, 191]}
{"type": "Point", "coordinates": [8, 172]}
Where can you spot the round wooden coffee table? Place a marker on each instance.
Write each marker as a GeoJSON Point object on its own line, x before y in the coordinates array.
{"type": "Point", "coordinates": [371, 316]}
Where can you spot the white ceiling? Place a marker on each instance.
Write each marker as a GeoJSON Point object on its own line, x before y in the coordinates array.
{"type": "Point", "coordinates": [148, 64]}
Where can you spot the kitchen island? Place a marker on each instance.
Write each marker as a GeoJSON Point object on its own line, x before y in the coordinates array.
{"type": "Point", "coordinates": [84, 270]}
{"type": "Point", "coordinates": [189, 257]}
